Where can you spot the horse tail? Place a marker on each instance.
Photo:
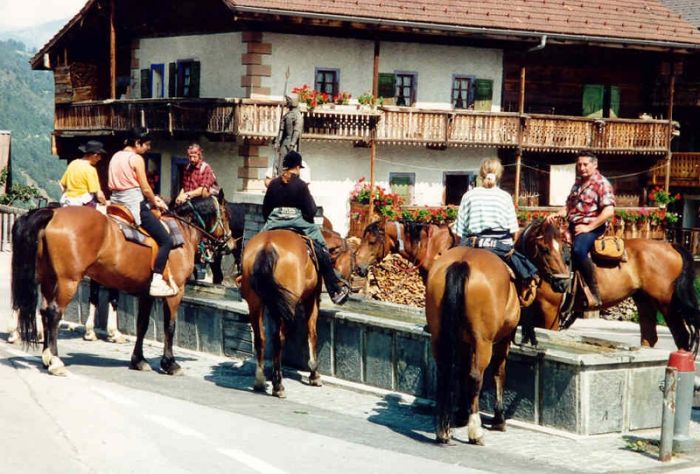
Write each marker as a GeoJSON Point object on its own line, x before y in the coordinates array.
{"type": "Point", "coordinates": [25, 245]}
{"type": "Point", "coordinates": [451, 328]}
{"type": "Point", "coordinates": [684, 302]}
{"type": "Point", "coordinates": [278, 300]}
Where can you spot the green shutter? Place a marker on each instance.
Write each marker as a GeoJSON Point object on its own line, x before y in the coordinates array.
{"type": "Point", "coordinates": [172, 80]}
{"type": "Point", "coordinates": [387, 84]}
{"type": "Point", "coordinates": [593, 100]}
{"type": "Point", "coordinates": [194, 81]}
{"type": "Point", "coordinates": [145, 83]}
{"type": "Point", "coordinates": [483, 94]}
{"type": "Point", "coordinates": [614, 101]}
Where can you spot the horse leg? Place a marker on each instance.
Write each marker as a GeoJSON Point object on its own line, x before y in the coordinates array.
{"type": "Point", "coordinates": [277, 346]}
{"type": "Point", "coordinates": [167, 362]}
{"type": "Point", "coordinates": [481, 355]}
{"type": "Point", "coordinates": [12, 333]}
{"type": "Point", "coordinates": [256, 322]}
{"type": "Point", "coordinates": [500, 354]}
{"type": "Point", "coordinates": [94, 301]}
{"type": "Point", "coordinates": [113, 333]}
{"type": "Point", "coordinates": [646, 308]}
{"type": "Point", "coordinates": [138, 362]}
{"type": "Point", "coordinates": [314, 376]}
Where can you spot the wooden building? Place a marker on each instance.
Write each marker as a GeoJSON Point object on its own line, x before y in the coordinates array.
{"type": "Point", "coordinates": [531, 82]}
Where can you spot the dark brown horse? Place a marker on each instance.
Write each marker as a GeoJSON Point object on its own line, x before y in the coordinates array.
{"type": "Point", "coordinates": [658, 275]}
{"type": "Point", "coordinates": [56, 248]}
{"type": "Point", "coordinates": [472, 310]}
{"type": "Point", "coordinates": [419, 243]}
{"type": "Point", "coordinates": [279, 274]}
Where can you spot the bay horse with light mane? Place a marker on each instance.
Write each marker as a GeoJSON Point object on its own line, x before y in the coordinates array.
{"type": "Point", "coordinates": [279, 274]}
{"type": "Point", "coordinates": [56, 248]}
{"type": "Point", "coordinates": [472, 309]}
{"type": "Point", "coordinates": [658, 275]}
{"type": "Point", "coordinates": [418, 242]}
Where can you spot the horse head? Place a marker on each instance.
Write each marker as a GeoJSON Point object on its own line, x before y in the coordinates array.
{"type": "Point", "coordinates": [374, 247]}
{"type": "Point", "coordinates": [212, 217]}
{"type": "Point", "coordinates": [542, 242]}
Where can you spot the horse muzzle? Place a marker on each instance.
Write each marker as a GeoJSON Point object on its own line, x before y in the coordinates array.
{"type": "Point", "coordinates": [362, 270]}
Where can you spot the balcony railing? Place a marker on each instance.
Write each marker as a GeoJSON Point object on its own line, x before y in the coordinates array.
{"type": "Point", "coordinates": [685, 170]}
{"type": "Point", "coordinates": [259, 119]}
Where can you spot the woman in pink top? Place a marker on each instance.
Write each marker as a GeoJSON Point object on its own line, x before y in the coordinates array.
{"type": "Point", "coordinates": [130, 188]}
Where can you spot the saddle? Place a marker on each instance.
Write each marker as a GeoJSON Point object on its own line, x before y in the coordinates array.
{"type": "Point", "coordinates": [122, 216]}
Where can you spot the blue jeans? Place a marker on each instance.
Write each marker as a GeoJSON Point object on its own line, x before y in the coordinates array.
{"type": "Point", "coordinates": [159, 234]}
{"type": "Point", "coordinates": [583, 243]}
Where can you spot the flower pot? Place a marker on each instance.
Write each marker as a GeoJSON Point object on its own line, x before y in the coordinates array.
{"type": "Point", "coordinates": [359, 219]}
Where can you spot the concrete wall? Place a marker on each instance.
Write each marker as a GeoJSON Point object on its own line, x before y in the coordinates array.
{"type": "Point", "coordinates": [219, 54]}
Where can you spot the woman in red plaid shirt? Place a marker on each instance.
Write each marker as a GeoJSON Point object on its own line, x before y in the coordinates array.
{"type": "Point", "coordinates": [589, 206]}
{"type": "Point", "coordinates": [198, 179]}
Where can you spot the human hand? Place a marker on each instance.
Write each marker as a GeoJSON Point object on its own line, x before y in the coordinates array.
{"type": "Point", "coordinates": [181, 198]}
{"type": "Point", "coordinates": [582, 228]}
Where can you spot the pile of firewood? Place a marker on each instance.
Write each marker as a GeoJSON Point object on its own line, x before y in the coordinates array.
{"type": "Point", "coordinates": [397, 281]}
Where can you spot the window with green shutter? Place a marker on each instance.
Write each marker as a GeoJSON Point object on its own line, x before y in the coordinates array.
{"type": "Point", "coordinates": [145, 83]}
{"type": "Point", "coordinates": [600, 101]}
{"type": "Point", "coordinates": [483, 94]}
{"type": "Point", "coordinates": [403, 184]}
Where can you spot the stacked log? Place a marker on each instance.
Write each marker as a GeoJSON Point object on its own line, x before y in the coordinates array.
{"type": "Point", "coordinates": [396, 280]}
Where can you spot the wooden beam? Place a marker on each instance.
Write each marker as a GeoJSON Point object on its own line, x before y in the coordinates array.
{"type": "Point", "coordinates": [373, 133]}
{"type": "Point", "coordinates": [112, 52]}
{"type": "Point", "coordinates": [671, 92]}
{"type": "Point", "coordinates": [519, 148]}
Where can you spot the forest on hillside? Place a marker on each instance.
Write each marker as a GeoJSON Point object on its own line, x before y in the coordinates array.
{"type": "Point", "coordinates": [27, 109]}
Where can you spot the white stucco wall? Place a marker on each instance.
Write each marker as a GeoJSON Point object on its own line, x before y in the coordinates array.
{"type": "Point", "coordinates": [219, 54]}
{"type": "Point", "coordinates": [434, 64]}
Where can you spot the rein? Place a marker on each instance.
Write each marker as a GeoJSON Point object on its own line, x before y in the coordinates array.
{"type": "Point", "coordinates": [218, 242]}
{"type": "Point", "coordinates": [546, 273]}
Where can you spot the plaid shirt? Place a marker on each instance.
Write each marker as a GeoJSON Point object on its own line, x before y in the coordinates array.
{"type": "Point", "coordinates": [199, 176]}
{"type": "Point", "coordinates": [586, 201]}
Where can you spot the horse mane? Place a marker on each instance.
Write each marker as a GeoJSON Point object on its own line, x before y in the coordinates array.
{"type": "Point", "coordinates": [205, 207]}
{"type": "Point", "coordinates": [413, 229]}
{"type": "Point", "coordinates": [373, 228]}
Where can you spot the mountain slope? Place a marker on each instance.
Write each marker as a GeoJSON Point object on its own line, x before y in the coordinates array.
{"type": "Point", "coordinates": [26, 109]}
{"type": "Point", "coordinates": [36, 36]}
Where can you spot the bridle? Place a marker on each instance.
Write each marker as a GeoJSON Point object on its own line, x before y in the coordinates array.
{"type": "Point", "coordinates": [219, 244]}
{"type": "Point", "coordinates": [546, 272]}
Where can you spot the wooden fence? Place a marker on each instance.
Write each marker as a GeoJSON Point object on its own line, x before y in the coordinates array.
{"type": "Point", "coordinates": [8, 215]}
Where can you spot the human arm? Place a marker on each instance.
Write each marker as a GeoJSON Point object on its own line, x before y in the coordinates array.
{"type": "Point", "coordinates": [560, 214]}
{"type": "Point", "coordinates": [307, 203]}
{"type": "Point", "coordinates": [101, 197]}
{"type": "Point", "coordinates": [607, 213]}
{"type": "Point", "coordinates": [139, 167]}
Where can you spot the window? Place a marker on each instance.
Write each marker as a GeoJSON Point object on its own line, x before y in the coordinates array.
{"type": "Point", "coordinates": [405, 88]}
{"type": "Point", "coordinates": [601, 101]}
{"type": "Point", "coordinates": [183, 78]}
{"type": "Point", "coordinates": [327, 81]}
{"type": "Point", "coordinates": [403, 184]}
{"type": "Point", "coordinates": [158, 80]}
{"type": "Point", "coordinates": [456, 184]}
{"type": "Point", "coordinates": [462, 92]}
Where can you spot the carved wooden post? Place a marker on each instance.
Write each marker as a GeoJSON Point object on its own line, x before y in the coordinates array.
{"type": "Point", "coordinates": [519, 149]}
{"type": "Point", "coordinates": [112, 53]}
{"type": "Point", "coordinates": [671, 91]}
{"type": "Point", "coordinates": [373, 133]}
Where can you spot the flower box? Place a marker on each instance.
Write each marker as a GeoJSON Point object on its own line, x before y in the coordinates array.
{"type": "Point", "coordinates": [359, 219]}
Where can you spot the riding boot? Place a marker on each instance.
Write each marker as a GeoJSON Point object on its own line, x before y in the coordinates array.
{"type": "Point", "coordinates": [336, 290]}
{"type": "Point", "coordinates": [587, 272]}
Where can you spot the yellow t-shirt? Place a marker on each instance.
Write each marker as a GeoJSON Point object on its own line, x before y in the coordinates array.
{"type": "Point", "coordinates": [80, 178]}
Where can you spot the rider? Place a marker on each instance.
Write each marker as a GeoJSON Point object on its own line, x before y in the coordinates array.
{"type": "Point", "coordinates": [289, 204]}
{"type": "Point", "coordinates": [486, 219]}
{"type": "Point", "coordinates": [129, 186]}
{"type": "Point", "coordinates": [589, 205]}
{"type": "Point", "coordinates": [80, 184]}
{"type": "Point", "coordinates": [198, 179]}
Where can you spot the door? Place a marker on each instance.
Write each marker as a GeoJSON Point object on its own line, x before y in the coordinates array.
{"type": "Point", "coordinates": [158, 80]}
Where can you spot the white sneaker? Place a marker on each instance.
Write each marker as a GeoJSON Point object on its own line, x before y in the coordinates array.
{"type": "Point", "coordinates": [159, 288]}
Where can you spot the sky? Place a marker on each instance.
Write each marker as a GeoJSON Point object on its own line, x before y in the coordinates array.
{"type": "Point", "coordinates": [20, 14]}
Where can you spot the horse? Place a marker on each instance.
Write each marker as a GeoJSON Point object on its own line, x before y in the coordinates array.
{"type": "Point", "coordinates": [58, 247]}
{"type": "Point", "coordinates": [418, 242]}
{"type": "Point", "coordinates": [279, 274]}
{"type": "Point", "coordinates": [472, 310]}
{"type": "Point", "coordinates": [342, 254]}
{"type": "Point", "coordinates": [658, 275]}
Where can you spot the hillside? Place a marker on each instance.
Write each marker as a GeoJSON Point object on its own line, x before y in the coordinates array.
{"type": "Point", "coordinates": [26, 109]}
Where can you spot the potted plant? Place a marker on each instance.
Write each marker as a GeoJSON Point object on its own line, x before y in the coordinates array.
{"type": "Point", "coordinates": [663, 198]}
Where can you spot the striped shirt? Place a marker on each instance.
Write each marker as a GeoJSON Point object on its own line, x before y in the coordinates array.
{"type": "Point", "coordinates": [486, 208]}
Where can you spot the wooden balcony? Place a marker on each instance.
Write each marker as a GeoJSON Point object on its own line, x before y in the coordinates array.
{"type": "Point", "coordinates": [259, 120]}
{"type": "Point", "coordinates": [685, 170]}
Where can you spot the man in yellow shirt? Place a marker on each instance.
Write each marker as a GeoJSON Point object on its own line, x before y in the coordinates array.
{"type": "Point", "coordinates": [80, 184]}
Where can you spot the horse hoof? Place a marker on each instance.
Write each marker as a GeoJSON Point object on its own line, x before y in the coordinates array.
{"type": "Point", "coordinates": [177, 371]}
{"type": "Point", "coordinates": [170, 367]}
{"type": "Point", "coordinates": [141, 365]}
{"type": "Point", "coordinates": [442, 439]}
{"type": "Point", "coordinates": [57, 368]}
{"type": "Point", "coordinates": [499, 426]}
{"type": "Point", "coordinates": [477, 441]}
{"type": "Point", "coordinates": [117, 338]}
{"type": "Point", "coordinates": [90, 336]}
{"type": "Point", "coordinates": [315, 381]}
{"type": "Point", "coordinates": [259, 388]}
{"type": "Point", "coordinates": [281, 393]}
{"type": "Point", "coordinates": [46, 357]}
{"type": "Point", "coordinates": [13, 337]}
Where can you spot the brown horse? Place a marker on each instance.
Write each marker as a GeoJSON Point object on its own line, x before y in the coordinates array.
{"type": "Point", "coordinates": [279, 274]}
{"type": "Point", "coordinates": [470, 293]}
{"type": "Point", "coordinates": [418, 242]}
{"type": "Point", "coordinates": [342, 254]}
{"type": "Point", "coordinates": [658, 275]}
{"type": "Point", "coordinates": [56, 248]}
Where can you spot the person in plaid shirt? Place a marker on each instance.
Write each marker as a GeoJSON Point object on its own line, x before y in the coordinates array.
{"type": "Point", "coordinates": [199, 179]}
{"type": "Point", "coordinates": [589, 206]}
